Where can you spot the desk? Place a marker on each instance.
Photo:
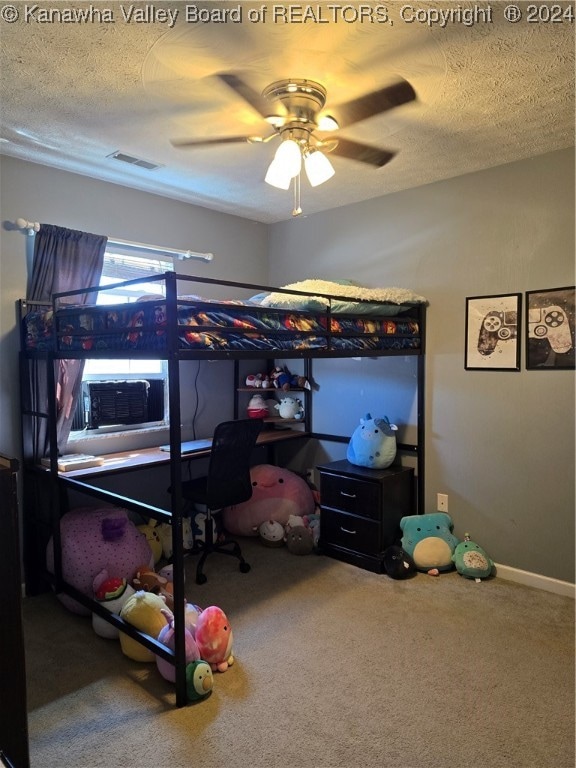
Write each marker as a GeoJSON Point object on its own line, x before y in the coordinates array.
{"type": "Point", "coordinates": [127, 461]}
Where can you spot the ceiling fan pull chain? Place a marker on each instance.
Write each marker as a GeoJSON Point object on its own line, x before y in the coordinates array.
{"type": "Point", "coordinates": [297, 210]}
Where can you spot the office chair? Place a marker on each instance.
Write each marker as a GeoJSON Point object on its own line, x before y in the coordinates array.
{"type": "Point", "coordinates": [227, 482]}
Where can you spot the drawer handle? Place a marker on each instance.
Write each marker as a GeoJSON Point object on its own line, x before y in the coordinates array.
{"type": "Point", "coordinates": [349, 495]}
{"type": "Point", "coordinates": [345, 530]}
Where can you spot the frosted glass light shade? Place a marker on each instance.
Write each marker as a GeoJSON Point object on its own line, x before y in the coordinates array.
{"type": "Point", "coordinates": [277, 176]}
{"type": "Point", "coordinates": [318, 168]}
{"type": "Point", "coordinates": [289, 157]}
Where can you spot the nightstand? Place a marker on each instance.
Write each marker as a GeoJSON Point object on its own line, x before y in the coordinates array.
{"type": "Point", "coordinates": [361, 511]}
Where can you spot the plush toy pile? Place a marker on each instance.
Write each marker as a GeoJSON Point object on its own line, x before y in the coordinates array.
{"type": "Point", "coordinates": [108, 558]}
{"type": "Point", "coordinates": [429, 541]}
{"type": "Point", "coordinates": [277, 493]}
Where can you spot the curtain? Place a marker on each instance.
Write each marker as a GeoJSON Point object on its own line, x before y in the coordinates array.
{"type": "Point", "coordinates": [64, 260]}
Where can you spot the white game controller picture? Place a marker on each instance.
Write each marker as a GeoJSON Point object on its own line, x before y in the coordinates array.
{"type": "Point", "coordinates": [550, 324]}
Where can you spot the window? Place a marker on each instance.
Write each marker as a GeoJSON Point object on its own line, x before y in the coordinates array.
{"type": "Point", "coordinates": [98, 374]}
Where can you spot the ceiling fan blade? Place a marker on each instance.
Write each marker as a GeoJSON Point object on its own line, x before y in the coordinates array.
{"type": "Point", "coordinates": [256, 101]}
{"type": "Point", "coordinates": [210, 142]}
{"type": "Point", "coordinates": [362, 152]}
{"type": "Point", "coordinates": [373, 103]}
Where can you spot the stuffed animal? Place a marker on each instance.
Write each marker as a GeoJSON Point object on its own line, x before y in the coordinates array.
{"type": "Point", "coordinates": [277, 493]}
{"type": "Point", "coordinates": [214, 638]}
{"type": "Point", "coordinates": [373, 443]}
{"type": "Point", "coordinates": [429, 540]}
{"type": "Point", "coordinates": [471, 560]}
{"type": "Point", "coordinates": [148, 613]}
{"type": "Point", "coordinates": [93, 540]}
{"type": "Point", "coordinates": [166, 637]}
{"type": "Point", "coordinates": [271, 533]}
{"type": "Point", "coordinates": [165, 534]}
{"type": "Point", "coordinates": [299, 540]}
{"type": "Point", "coordinates": [111, 593]}
{"type": "Point", "coordinates": [397, 563]}
{"type": "Point", "coordinates": [148, 580]}
{"type": "Point", "coordinates": [199, 680]}
{"type": "Point", "coordinates": [257, 408]}
{"type": "Point", "coordinates": [281, 378]}
{"type": "Point", "coordinates": [150, 530]}
{"type": "Point", "coordinates": [290, 408]}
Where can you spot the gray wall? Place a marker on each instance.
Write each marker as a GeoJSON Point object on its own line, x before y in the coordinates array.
{"type": "Point", "coordinates": [39, 193]}
{"type": "Point", "coordinates": [500, 444]}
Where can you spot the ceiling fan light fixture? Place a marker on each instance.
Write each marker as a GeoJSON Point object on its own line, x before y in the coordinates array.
{"type": "Point", "coordinates": [289, 157]}
{"type": "Point", "coordinates": [318, 168]}
{"type": "Point", "coordinates": [277, 176]}
{"type": "Point", "coordinates": [327, 123]}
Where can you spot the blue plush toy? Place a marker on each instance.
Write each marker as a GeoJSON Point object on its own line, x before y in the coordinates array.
{"type": "Point", "coordinates": [373, 443]}
{"type": "Point", "coordinates": [430, 541]}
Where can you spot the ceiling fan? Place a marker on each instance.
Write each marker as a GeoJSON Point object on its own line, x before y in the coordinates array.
{"type": "Point", "coordinates": [294, 108]}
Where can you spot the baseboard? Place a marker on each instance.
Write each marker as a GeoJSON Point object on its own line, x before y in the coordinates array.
{"type": "Point", "coordinates": [529, 579]}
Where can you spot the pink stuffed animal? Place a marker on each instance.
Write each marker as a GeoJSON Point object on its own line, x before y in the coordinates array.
{"type": "Point", "coordinates": [214, 638]}
{"type": "Point", "coordinates": [277, 493]}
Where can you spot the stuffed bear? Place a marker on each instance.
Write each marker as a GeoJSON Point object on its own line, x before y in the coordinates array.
{"type": "Point", "coordinates": [429, 540]}
{"type": "Point", "coordinates": [471, 560]}
{"type": "Point", "coordinates": [373, 443]}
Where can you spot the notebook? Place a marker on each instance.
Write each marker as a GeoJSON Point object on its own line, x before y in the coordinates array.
{"type": "Point", "coordinates": [190, 446]}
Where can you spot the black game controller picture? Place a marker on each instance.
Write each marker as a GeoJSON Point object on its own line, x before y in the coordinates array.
{"type": "Point", "coordinates": [550, 324]}
{"type": "Point", "coordinates": [496, 326]}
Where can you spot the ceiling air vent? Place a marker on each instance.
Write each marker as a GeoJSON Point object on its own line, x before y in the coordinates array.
{"type": "Point", "coordinates": [124, 158]}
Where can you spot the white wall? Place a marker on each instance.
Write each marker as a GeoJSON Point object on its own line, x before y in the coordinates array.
{"type": "Point", "coordinates": [500, 444]}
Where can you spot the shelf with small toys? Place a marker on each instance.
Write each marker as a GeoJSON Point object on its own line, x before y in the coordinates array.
{"type": "Point", "coordinates": [277, 396]}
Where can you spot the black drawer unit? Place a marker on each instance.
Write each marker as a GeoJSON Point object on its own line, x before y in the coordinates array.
{"type": "Point", "coordinates": [361, 511]}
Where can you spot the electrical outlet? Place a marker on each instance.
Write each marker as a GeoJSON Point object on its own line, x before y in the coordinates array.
{"type": "Point", "coordinates": [310, 474]}
{"type": "Point", "coordinates": [442, 502]}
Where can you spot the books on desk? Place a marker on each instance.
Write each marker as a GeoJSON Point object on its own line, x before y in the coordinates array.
{"type": "Point", "coordinates": [190, 446]}
{"type": "Point", "coordinates": [75, 461]}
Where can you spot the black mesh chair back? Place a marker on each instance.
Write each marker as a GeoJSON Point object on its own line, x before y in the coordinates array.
{"type": "Point", "coordinates": [227, 483]}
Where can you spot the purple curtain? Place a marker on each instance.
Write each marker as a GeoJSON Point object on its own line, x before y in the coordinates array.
{"type": "Point", "coordinates": [64, 260]}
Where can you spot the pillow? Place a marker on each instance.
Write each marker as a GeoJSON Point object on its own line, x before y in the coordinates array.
{"type": "Point", "coordinates": [316, 303]}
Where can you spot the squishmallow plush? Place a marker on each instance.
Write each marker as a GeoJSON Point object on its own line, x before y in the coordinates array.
{"type": "Point", "coordinates": [373, 443]}
{"type": "Point", "coordinates": [397, 563]}
{"type": "Point", "coordinates": [199, 680]}
{"type": "Point", "coordinates": [277, 493]}
{"type": "Point", "coordinates": [166, 636]}
{"type": "Point", "coordinates": [148, 613]}
{"type": "Point", "coordinates": [94, 540]}
{"type": "Point", "coordinates": [213, 635]}
{"type": "Point", "coordinates": [471, 560]}
{"type": "Point", "coordinates": [429, 540]}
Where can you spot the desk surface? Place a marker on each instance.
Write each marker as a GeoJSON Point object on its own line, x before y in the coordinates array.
{"type": "Point", "coordinates": [146, 457]}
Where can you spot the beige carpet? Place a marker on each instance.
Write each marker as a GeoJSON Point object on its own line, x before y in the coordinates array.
{"type": "Point", "coordinates": [334, 667]}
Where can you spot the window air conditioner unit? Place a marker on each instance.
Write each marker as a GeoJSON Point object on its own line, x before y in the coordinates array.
{"type": "Point", "coordinates": [122, 402]}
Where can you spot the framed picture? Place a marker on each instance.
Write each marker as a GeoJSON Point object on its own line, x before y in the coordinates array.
{"type": "Point", "coordinates": [493, 332]}
{"type": "Point", "coordinates": [550, 329]}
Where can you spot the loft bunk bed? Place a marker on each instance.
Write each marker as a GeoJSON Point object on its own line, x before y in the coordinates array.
{"type": "Point", "coordinates": [300, 321]}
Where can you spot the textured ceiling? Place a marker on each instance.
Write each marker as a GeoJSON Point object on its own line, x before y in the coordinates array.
{"type": "Point", "coordinates": [72, 93]}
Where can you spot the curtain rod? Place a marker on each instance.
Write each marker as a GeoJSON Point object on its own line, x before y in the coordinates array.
{"type": "Point", "coordinates": [32, 227]}
{"type": "Point", "coordinates": [127, 245]}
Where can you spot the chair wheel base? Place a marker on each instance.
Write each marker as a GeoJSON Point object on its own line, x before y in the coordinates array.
{"type": "Point", "coordinates": [244, 567]}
